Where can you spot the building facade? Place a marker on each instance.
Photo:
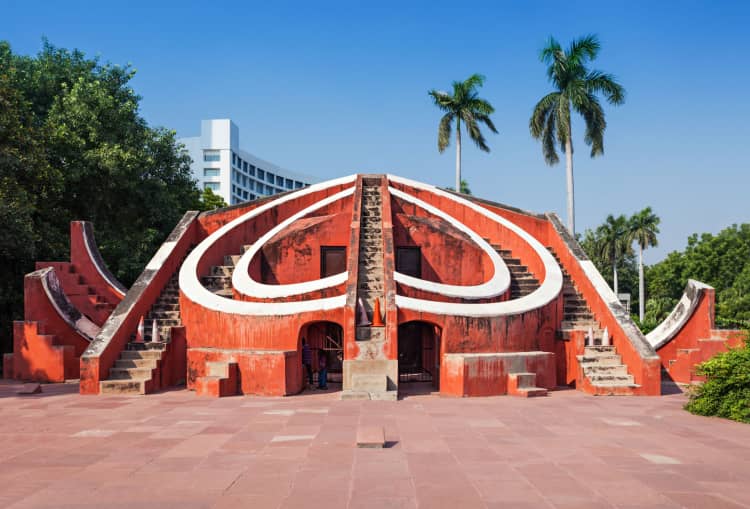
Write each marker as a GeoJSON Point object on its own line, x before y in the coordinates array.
{"type": "Point", "coordinates": [234, 174]}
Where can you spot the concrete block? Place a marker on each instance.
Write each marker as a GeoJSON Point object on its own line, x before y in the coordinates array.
{"type": "Point", "coordinates": [371, 437]}
{"type": "Point", "coordinates": [369, 383]}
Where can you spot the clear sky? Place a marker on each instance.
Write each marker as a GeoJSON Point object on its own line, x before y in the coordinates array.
{"type": "Point", "coordinates": [335, 88]}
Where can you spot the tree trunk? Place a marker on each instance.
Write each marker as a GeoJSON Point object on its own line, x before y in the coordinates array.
{"type": "Point", "coordinates": [614, 271]}
{"type": "Point", "coordinates": [458, 155]}
{"type": "Point", "coordinates": [641, 290]}
{"type": "Point", "coordinates": [569, 178]}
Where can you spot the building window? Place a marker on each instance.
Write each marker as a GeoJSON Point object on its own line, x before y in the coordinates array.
{"type": "Point", "coordinates": [269, 177]}
{"type": "Point", "coordinates": [244, 195]}
{"type": "Point", "coordinates": [234, 159]}
{"type": "Point", "coordinates": [239, 162]}
{"type": "Point", "coordinates": [252, 170]}
{"type": "Point", "coordinates": [244, 180]}
{"type": "Point", "coordinates": [280, 181]}
{"type": "Point", "coordinates": [289, 184]}
{"type": "Point", "coordinates": [251, 185]}
{"type": "Point", "coordinates": [269, 190]}
{"type": "Point", "coordinates": [213, 186]}
{"type": "Point", "coordinates": [210, 172]}
{"type": "Point", "coordinates": [211, 155]}
{"type": "Point", "coordinates": [261, 174]}
{"type": "Point", "coordinates": [244, 166]}
{"type": "Point", "coordinates": [298, 185]}
{"type": "Point", "coordinates": [252, 196]}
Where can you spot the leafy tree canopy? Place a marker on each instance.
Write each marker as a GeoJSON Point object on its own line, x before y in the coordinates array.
{"type": "Point", "coordinates": [73, 145]}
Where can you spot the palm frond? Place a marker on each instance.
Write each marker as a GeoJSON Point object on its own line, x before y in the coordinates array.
{"type": "Point", "coordinates": [442, 100]}
{"type": "Point", "coordinates": [481, 117]}
{"type": "Point", "coordinates": [596, 124]}
{"type": "Point", "coordinates": [606, 84]}
{"type": "Point", "coordinates": [583, 49]}
{"type": "Point", "coordinates": [548, 139]}
{"type": "Point", "coordinates": [444, 131]}
{"type": "Point", "coordinates": [475, 133]}
{"type": "Point", "coordinates": [539, 115]}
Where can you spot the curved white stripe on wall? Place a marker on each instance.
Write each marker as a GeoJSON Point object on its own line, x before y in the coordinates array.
{"type": "Point", "coordinates": [246, 285]}
{"type": "Point", "coordinates": [497, 285]}
{"type": "Point", "coordinates": [196, 292]}
{"type": "Point", "coordinates": [546, 293]}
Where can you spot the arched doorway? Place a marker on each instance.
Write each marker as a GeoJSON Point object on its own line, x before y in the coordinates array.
{"type": "Point", "coordinates": [326, 339]}
{"type": "Point", "coordinates": [419, 352]}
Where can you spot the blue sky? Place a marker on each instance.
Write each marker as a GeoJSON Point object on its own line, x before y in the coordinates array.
{"type": "Point", "coordinates": [334, 88]}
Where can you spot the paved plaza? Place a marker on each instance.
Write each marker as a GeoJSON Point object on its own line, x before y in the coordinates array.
{"type": "Point", "coordinates": [173, 449]}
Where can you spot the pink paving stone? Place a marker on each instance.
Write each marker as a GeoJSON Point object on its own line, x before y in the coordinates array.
{"type": "Point", "coordinates": [173, 449]}
{"type": "Point", "coordinates": [371, 437]}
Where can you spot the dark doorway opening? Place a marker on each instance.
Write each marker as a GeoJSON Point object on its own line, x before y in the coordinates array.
{"type": "Point", "coordinates": [418, 352]}
{"type": "Point", "coordinates": [326, 339]}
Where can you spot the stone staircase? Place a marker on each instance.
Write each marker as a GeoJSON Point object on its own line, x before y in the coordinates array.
{"type": "Point", "coordinates": [136, 371]}
{"type": "Point", "coordinates": [221, 379]}
{"type": "Point", "coordinates": [370, 287]}
{"type": "Point", "coordinates": [219, 279]}
{"type": "Point", "coordinates": [524, 385]}
{"type": "Point", "coordinates": [522, 282]}
{"type": "Point", "coordinates": [601, 364]}
{"type": "Point", "coordinates": [82, 295]}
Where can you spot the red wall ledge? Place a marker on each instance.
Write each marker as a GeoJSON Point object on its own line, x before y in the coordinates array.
{"type": "Point", "coordinates": [101, 354]}
{"type": "Point", "coordinates": [642, 361]}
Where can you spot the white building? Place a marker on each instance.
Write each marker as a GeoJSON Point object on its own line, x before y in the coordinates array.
{"type": "Point", "coordinates": [234, 174]}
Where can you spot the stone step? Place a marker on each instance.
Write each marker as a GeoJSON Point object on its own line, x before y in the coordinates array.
{"type": "Point", "coordinates": [604, 369]}
{"type": "Point", "coordinates": [600, 360]}
{"type": "Point", "coordinates": [217, 282]}
{"type": "Point", "coordinates": [160, 323]}
{"type": "Point", "coordinates": [125, 386]}
{"type": "Point", "coordinates": [231, 260]}
{"type": "Point", "coordinates": [164, 314]}
{"type": "Point", "coordinates": [130, 373]}
{"type": "Point", "coordinates": [140, 354]}
{"type": "Point", "coordinates": [222, 270]}
{"type": "Point", "coordinates": [136, 363]}
{"type": "Point", "coordinates": [592, 351]}
{"type": "Point", "coordinates": [624, 379]}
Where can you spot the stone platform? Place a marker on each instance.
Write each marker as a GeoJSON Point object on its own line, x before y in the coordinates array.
{"type": "Point", "coordinates": [59, 449]}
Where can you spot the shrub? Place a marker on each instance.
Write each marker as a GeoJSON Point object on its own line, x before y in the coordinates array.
{"type": "Point", "coordinates": [726, 391]}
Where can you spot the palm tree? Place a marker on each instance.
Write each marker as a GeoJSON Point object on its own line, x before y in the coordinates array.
{"type": "Point", "coordinates": [576, 87]}
{"type": "Point", "coordinates": [465, 189]}
{"type": "Point", "coordinates": [644, 226]}
{"type": "Point", "coordinates": [463, 105]}
{"type": "Point", "coordinates": [614, 242]}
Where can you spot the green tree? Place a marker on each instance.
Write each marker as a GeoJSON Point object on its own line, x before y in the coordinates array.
{"type": "Point", "coordinates": [211, 201]}
{"type": "Point", "coordinates": [576, 88]}
{"type": "Point", "coordinates": [74, 146]}
{"type": "Point", "coordinates": [721, 260]}
{"type": "Point", "coordinates": [464, 187]}
{"type": "Point", "coordinates": [465, 105]}
{"type": "Point", "coordinates": [642, 229]}
{"type": "Point", "coordinates": [613, 243]}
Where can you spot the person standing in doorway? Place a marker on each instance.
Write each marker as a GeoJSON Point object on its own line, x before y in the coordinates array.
{"type": "Point", "coordinates": [307, 361]}
{"type": "Point", "coordinates": [322, 370]}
